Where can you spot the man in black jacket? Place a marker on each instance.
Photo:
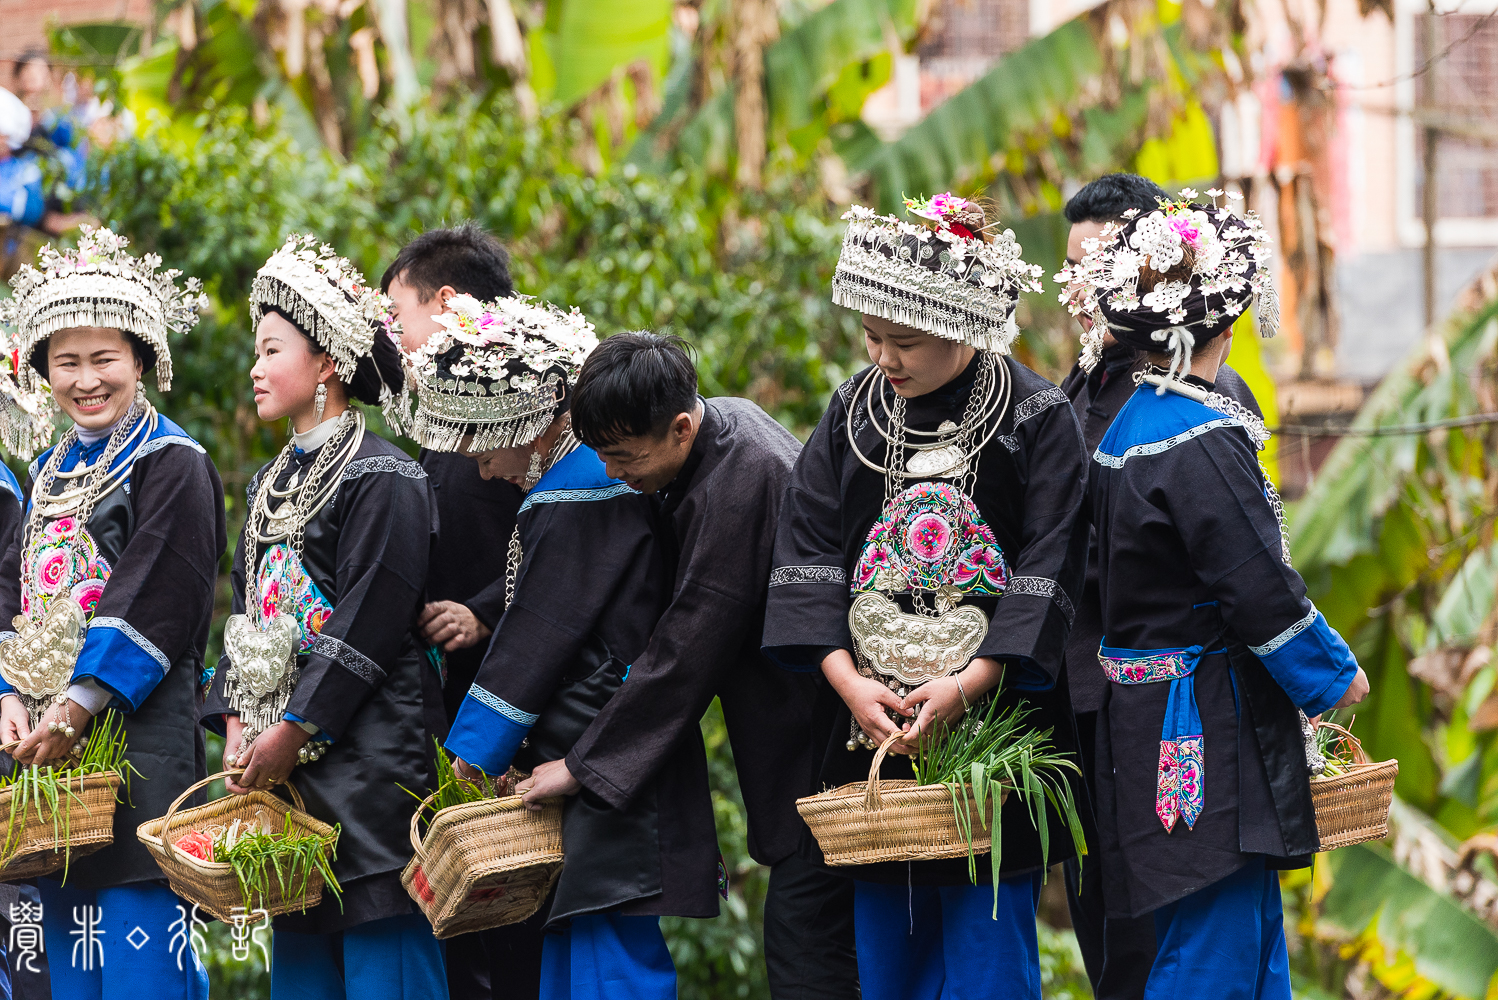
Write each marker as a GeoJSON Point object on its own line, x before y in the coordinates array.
{"type": "Point", "coordinates": [1118, 953]}
{"type": "Point", "coordinates": [718, 468]}
{"type": "Point", "coordinates": [465, 584]}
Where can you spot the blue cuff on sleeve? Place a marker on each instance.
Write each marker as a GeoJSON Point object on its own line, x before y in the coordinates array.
{"type": "Point", "coordinates": [1311, 662]}
{"type": "Point", "coordinates": [321, 734]}
{"type": "Point", "coordinates": [488, 731]}
{"type": "Point", "coordinates": [121, 659]}
{"type": "Point", "coordinates": [1027, 675]}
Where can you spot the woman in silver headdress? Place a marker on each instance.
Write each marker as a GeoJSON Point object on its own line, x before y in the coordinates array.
{"type": "Point", "coordinates": [925, 563]}
{"type": "Point", "coordinates": [114, 569]}
{"type": "Point", "coordinates": [586, 584]}
{"type": "Point", "coordinates": [322, 682]}
{"type": "Point", "coordinates": [1213, 653]}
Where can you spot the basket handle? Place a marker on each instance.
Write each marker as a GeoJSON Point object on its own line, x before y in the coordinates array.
{"type": "Point", "coordinates": [170, 849]}
{"type": "Point", "coordinates": [1359, 755]}
{"type": "Point", "coordinates": [871, 801]}
{"type": "Point", "coordinates": [416, 836]}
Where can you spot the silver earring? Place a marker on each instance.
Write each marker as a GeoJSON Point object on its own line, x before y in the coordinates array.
{"type": "Point", "coordinates": [533, 474]}
{"type": "Point", "coordinates": [320, 398]}
{"type": "Point", "coordinates": [140, 393]}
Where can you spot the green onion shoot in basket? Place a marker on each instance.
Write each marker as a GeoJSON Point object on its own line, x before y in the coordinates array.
{"type": "Point", "coordinates": [992, 754]}
{"type": "Point", "coordinates": [46, 790]}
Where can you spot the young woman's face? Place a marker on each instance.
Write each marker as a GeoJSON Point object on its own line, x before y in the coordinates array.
{"type": "Point", "coordinates": [286, 371]}
{"type": "Point", "coordinates": [915, 362]}
{"type": "Point", "coordinates": [93, 373]}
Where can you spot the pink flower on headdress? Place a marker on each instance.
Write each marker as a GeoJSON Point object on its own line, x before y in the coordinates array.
{"type": "Point", "coordinates": [1185, 227]}
{"type": "Point", "coordinates": [938, 207]}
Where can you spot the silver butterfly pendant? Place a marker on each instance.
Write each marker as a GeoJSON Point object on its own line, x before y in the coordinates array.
{"type": "Point", "coordinates": [261, 657]}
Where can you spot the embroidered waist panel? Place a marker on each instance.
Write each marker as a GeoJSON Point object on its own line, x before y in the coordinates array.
{"type": "Point", "coordinates": [1180, 779]}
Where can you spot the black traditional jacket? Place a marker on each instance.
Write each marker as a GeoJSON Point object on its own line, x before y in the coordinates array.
{"type": "Point", "coordinates": [1097, 397]}
{"type": "Point", "coordinates": [147, 565]}
{"type": "Point", "coordinates": [362, 677]}
{"type": "Point", "coordinates": [590, 587]}
{"type": "Point", "coordinates": [477, 516]}
{"type": "Point", "coordinates": [1025, 565]}
{"type": "Point", "coordinates": [1211, 644]}
{"type": "Point", "coordinates": [720, 515]}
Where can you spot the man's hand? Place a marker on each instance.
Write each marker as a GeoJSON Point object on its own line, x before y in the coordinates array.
{"type": "Point", "coordinates": [549, 781]}
{"type": "Point", "coordinates": [15, 724]}
{"type": "Point", "coordinates": [269, 760]}
{"type": "Point", "coordinates": [1356, 691]}
{"type": "Point", "coordinates": [41, 746]}
{"type": "Point", "coordinates": [451, 625]}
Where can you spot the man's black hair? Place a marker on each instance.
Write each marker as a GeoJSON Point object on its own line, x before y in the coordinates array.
{"type": "Point", "coordinates": [467, 257]}
{"type": "Point", "coordinates": [1111, 195]}
{"type": "Point", "coordinates": [632, 385]}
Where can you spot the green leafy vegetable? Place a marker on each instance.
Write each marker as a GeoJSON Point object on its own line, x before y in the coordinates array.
{"type": "Point", "coordinates": [47, 789]}
{"type": "Point", "coordinates": [255, 854]}
{"type": "Point", "coordinates": [990, 756]}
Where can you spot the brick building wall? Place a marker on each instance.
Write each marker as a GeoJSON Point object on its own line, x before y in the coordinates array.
{"type": "Point", "coordinates": [26, 22]}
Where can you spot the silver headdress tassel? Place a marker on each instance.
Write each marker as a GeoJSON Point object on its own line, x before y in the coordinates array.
{"type": "Point", "coordinates": [496, 372]}
{"type": "Point", "coordinates": [944, 278]}
{"type": "Point", "coordinates": [99, 284]}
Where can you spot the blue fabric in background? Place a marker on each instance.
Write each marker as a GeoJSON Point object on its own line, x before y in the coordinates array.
{"type": "Point", "coordinates": [396, 958]}
{"type": "Point", "coordinates": [111, 967]}
{"type": "Point", "coordinates": [606, 956]}
{"type": "Point", "coordinates": [1230, 934]}
{"type": "Point", "coordinates": [929, 942]}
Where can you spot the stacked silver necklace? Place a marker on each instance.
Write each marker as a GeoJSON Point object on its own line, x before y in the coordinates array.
{"type": "Point", "coordinates": [952, 451]}
{"type": "Point", "coordinates": [944, 637]}
{"type": "Point", "coordinates": [513, 553]}
{"type": "Point", "coordinates": [39, 663]}
{"type": "Point", "coordinates": [262, 651]}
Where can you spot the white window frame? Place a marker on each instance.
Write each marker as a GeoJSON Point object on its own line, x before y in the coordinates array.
{"type": "Point", "coordinates": [1474, 232]}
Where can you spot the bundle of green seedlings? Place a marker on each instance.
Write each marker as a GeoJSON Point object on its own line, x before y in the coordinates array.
{"type": "Point", "coordinates": [256, 853]}
{"type": "Point", "coordinates": [49, 790]}
{"type": "Point", "coordinates": [1333, 746]}
{"type": "Point", "coordinates": [991, 754]}
{"type": "Point", "coordinates": [453, 789]}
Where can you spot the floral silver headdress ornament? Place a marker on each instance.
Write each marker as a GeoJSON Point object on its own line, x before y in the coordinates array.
{"type": "Point", "coordinates": [943, 278]}
{"type": "Point", "coordinates": [327, 296]}
{"type": "Point", "coordinates": [1203, 265]}
{"type": "Point", "coordinates": [496, 371]}
{"type": "Point", "coordinates": [98, 283]}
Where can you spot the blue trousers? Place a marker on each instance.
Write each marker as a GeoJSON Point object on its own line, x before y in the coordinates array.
{"type": "Point", "coordinates": [606, 956]}
{"type": "Point", "coordinates": [91, 937]}
{"type": "Point", "coordinates": [1230, 934]}
{"type": "Point", "coordinates": [943, 943]}
{"type": "Point", "coordinates": [395, 958]}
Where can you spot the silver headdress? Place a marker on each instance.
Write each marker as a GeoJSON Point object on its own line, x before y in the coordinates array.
{"type": "Point", "coordinates": [944, 279]}
{"type": "Point", "coordinates": [99, 284]}
{"type": "Point", "coordinates": [496, 372]}
{"type": "Point", "coordinates": [1198, 254]}
{"type": "Point", "coordinates": [325, 295]}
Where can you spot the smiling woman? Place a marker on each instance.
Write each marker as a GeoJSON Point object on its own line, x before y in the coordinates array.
{"type": "Point", "coordinates": [122, 536]}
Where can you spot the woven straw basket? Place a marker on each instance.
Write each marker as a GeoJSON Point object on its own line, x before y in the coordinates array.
{"type": "Point", "coordinates": [1354, 806]}
{"type": "Point", "coordinates": [90, 827]}
{"type": "Point", "coordinates": [213, 884]}
{"type": "Point", "coordinates": [484, 864]}
{"type": "Point", "coordinates": [860, 824]}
